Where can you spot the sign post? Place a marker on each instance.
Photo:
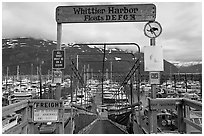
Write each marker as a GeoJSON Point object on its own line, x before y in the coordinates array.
{"type": "Point", "coordinates": [153, 125]}
{"type": "Point", "coordinates": [154, 64]}
{"type": "Point", "coordinates": [59, 66]}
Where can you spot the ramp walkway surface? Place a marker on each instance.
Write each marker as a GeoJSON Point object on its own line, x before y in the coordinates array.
{"type": "Point", "coordinates": [105, 127]}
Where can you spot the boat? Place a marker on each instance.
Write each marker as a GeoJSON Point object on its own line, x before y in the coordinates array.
{"type": "Point", "coordinates": [10, 121]}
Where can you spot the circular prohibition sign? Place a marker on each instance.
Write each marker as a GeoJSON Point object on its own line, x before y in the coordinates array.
{"type": "Point", "coordinates": [152, 29]}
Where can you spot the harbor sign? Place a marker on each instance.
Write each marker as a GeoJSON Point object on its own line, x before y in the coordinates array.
{"type": "Point", "coordinates": [106, 13]}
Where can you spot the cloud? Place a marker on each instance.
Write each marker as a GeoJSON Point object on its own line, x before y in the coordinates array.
{"type": "Point", "coordinates": [181, 22]}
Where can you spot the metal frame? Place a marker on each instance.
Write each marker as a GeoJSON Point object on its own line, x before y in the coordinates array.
{"type": "Point", "coordinates": [133, 69]}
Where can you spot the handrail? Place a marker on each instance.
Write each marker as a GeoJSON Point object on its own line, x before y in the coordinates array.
{"type": "Point", "coordinates": [192, 103]}
{"type": "Point", "coordinates": [81, 108]}
{"type": "Point", "coordinates": [125, 108]}
{"type": "Point", "coordinates": [197, 106]}
{"type": "Point", "coordinates": [14, 107]}
{"type": "Point", "coordinates": [183, 113]}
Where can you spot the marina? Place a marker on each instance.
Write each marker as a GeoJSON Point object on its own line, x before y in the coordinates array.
{"type": "Point", "coordinates": [49, 87]}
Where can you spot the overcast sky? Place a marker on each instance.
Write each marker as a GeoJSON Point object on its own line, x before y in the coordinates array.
{"type": "Point", "coordinates": [181, 22]}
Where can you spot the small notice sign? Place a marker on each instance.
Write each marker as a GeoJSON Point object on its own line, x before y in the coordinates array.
{"type": "Point", "coordinates": [154, 77]}
{"type": "Point", "coordinates": [153, 58]}
{"type": "Point", "coordinates": [162, 103]}
{"type": "Point", "coordinates": [57, 76]}
{"type": "Point", "coordinates": [58, 59]}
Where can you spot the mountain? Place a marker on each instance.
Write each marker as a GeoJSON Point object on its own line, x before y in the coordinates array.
{"type": "Point", "coordinates": [29, 53]}
{"type": "Point", "coordinates": [191, 69]}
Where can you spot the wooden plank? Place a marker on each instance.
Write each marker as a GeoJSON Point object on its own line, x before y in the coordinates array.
{"type": "Point", "coordinates": [164, 103]}
{"type": "Point", "coordinates": [199, 127]}
{"type": "Point", "coordinates": [44, 100]}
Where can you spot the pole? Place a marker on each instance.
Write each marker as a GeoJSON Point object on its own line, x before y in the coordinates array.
{"type": "Point", "coordinates": [85, 82]}
{"type": "Point", "coordinates": [77, 62]}
{"type": "Point", "coordinates": [88, 75]}
{"type": "Point", "coordinates": [37, 71]}
{"type": "Point", "coordinates": [40, 82]}
{"type": "Point", "coordinates": [91, 73]}
{"type": "Point", "coordinates": [138, 88]}
{"type": "Point", "coordinates": [104, 53]}
{"type": "Point", "coordinates": [71, 86]}
{"type": "Point", "coordinates": [59, 35]}
{"type": "Point", "coordinates": [153, 114]}
{"type": "Point", "coordinates": [131, 92]}
{"type": "Point", "coordinates": [170, 74]}
{"type": "Point", "coordinates": [71, 119]}
{"type": "Point", "coordinates": [166, 81]}
{"type": "Point", "coordinates": [186, 82]}
{"type": "Point", "coordinates": [58, 85]}
{"type": "Point", "coordinates": [18, 72]}
{"type": "Point", "coordinates": [111, 70]}
{"type": "Point", "coordinates": [77, 88]}
{"type": "Point", "coordinates": [31, 79]}
{"type": "Point", "coordinates": [7, 71]}
{"type": "Point", "coordinates": [175, 82]}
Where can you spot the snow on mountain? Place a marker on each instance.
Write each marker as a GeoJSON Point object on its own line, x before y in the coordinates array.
{"type": "Point", "coordinates": [185, 64]}
{"type": "Point", "coordinates": [116, 58]}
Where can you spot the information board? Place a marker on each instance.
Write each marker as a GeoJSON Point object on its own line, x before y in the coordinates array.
{"type": "Point", "coordinates": [153, 58]}
{"type": "Point", "coordinates": [45, 115]}
{"type": "Point", "coordinates": [106, 13]}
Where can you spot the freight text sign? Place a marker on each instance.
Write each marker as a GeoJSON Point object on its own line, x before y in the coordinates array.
{"type": "Point", "coordinates": [106, 13]}
{"type": "Point", "coordinates": [45, 110]}
{"type": "Point", "coordinates": [48, 104]}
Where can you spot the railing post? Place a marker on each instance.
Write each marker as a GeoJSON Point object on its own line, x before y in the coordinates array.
{"type": "Point", "coordinates": [187, 116]}
{"type": "Point", "coordinates": [181, 123]}
{"type": "Point", "coordinates": [30, 123]}
{"type": "Point", "coordinates": [61, 122]}
{"type": "Point", "coordinates": [25, 118]}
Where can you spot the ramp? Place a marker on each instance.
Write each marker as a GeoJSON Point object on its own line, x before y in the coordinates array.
{"type": "Point", "coordinates": [105, 127]}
